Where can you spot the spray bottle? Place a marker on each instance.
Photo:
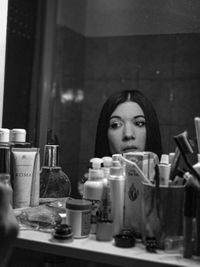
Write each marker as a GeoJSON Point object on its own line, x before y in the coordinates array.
{"type": "Point", "coordinates": [117, 183]}
{"type": "Point", "coordinates": [93, 190]}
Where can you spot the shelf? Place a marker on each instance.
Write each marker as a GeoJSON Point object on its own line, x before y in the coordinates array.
{"type": "Point", "coordinates": [103, 252]}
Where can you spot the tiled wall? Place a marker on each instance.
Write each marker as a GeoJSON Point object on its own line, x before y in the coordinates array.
{"type": "Point", "coordinates": [66, 108]}
{"type": "Point", "coordinates": [165, 67]}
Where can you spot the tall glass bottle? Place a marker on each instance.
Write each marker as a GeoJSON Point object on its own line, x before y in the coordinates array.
{"type": "Point", "coordinates": [54, 183]}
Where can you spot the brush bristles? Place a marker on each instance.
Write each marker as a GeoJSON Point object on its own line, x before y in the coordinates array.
{"type": "Point", "coordinates": [183, 143]}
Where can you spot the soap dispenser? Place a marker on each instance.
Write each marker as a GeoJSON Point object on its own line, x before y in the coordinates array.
{"type": "Point", "coordinates": [54, 183]}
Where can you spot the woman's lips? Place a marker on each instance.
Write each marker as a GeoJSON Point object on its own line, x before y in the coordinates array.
{"type": "Point", "coordinates": [129, 149]}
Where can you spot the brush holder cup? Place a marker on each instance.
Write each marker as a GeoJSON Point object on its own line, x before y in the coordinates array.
{"type": "Point", "coordinates": [162, 212]}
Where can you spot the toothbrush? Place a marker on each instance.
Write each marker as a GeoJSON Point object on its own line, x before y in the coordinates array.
{"type": "Point", "coordinates": [185, 148]}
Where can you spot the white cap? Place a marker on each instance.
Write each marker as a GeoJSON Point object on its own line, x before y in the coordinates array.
{"type": "Point", "coordinates": [96, 172]}
{"type": "Point", "coordinates": [164, 159]}
{"type": "Point", "coordinates": [4, 135]}
{"type": "Point", "coordinates": [116, 157]}
{"type": "Point", "coordinates": [107, 161]}
{"type": "Point", "coordinates": [18, 135]}
{"type": "Point", "coordinates": [96, 163]}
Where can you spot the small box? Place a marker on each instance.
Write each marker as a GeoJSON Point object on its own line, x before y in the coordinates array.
{"type": "Point", "coordinates": [134, 187]}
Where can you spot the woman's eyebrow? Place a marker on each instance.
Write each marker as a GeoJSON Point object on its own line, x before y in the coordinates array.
{"type": "Point", "coordinates": [115, 117]}
{"type": "Point", "coordinates": [139, 116]}
{"type": "Point", "coordinates": [119, 117]}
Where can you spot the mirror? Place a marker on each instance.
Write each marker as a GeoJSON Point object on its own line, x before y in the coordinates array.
{"type": "Point", "coordinates": [102, 46]}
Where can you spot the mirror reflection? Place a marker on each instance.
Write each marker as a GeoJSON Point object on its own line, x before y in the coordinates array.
{"type": "Point", "coordinates": [83, 51]}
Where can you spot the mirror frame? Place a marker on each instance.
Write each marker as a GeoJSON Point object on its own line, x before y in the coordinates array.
{"type": "Point", "coordinates": [3, 30]}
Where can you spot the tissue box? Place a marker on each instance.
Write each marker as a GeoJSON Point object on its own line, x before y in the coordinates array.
{"type": "Point", "coordinates": [134, 187]}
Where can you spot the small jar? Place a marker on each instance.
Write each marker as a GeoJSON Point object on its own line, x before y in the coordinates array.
{"type": "Point", "coordinates": [78, 215]}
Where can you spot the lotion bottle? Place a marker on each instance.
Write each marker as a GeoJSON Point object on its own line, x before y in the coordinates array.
{"type": "Point", "coordinates": [93, 190]}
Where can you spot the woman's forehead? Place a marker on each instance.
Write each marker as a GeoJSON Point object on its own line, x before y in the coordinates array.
{"type": "Point", "coordinates": [128, 108]}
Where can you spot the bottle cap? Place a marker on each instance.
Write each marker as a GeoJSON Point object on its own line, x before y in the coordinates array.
{"type": "Point", "coordinates": [164, 159]}
{"type": "Point", "coordinates": [107, 161]}
{"type": "Point", "coordinates": [51, 156]}
{"type": "Point", "coordinates": [96, 163]}
{"type": "Point", "coordinates": [18, 135]}
{"type": "Point", "coordinates": [4, 135]}
{"type": "Point", "coordinates": [78, 204]}
{"type": "Point", "coordinates": [116, 157]}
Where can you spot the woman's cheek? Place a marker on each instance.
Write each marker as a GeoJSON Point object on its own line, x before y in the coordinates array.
{"type": "Point", "coordinates": [114, 142]}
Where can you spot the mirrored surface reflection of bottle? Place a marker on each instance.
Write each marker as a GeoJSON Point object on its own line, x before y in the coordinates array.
{"type": "Point", "coordinates": [54, 183]}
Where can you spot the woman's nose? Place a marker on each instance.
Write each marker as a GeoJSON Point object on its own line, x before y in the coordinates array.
{"type": "Point", "coordinates": [129, 132]}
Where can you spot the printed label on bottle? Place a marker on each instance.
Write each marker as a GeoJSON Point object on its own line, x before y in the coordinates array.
{"type": "Point", "coordinates": [95, 213]}
{"type": "Point", "coordinates": [85, 227]}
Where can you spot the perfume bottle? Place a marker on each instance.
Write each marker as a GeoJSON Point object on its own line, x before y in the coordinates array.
{"type": "Point", "coordinates": [54, 183]}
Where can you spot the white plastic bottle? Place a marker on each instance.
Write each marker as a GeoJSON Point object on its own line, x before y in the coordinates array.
{"type": "Point", "coordinates": [93, 190]}
{"type": "Point", "coordinates": [107, 163]}
{"type": "Point", "coordinates": [117, 183]}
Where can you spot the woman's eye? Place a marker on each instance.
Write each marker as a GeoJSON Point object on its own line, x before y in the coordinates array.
{"type": "Point", "coordinates": [140, 123]}
{"type": "Point", "coordinates": [115, 124]}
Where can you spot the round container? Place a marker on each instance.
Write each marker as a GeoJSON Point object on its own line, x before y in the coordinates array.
{"type": "Point", "coordinates": [78, 215]}
{"type": "Point", "coordinates": [4, 135]}
{"type": "Point", "coordinates": [18, 135]}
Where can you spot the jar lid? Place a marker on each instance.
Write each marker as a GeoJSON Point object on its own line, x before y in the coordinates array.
{"type": "Point", "coordinates": [18, 135]}
{"type": "Point", "coordinates": [78, 204]}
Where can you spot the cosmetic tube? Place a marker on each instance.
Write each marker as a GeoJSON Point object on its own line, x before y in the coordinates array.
{"type": "Point", "coordinates": [26, 177]}
{"type": "Point", "coordinates": [164, 170]}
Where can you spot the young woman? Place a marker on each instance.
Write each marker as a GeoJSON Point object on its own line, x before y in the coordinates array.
{"type": "Point", "coordinates": [127, 122]}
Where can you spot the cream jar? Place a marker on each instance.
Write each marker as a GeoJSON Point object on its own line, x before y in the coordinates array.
{"type": "Point", "coordinates": [78, 215]}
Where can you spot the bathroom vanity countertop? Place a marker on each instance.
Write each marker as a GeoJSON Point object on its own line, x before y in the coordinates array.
{"type": "Point", "coordinates": [103, 252]}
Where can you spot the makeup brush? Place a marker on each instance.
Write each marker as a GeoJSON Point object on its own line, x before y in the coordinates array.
{"type": "Point", "coordinates": [174, 164]}
{"type": "Point", "coordinates": [185, 149]}
{"type": "Point", "coordinates": [197, 128]}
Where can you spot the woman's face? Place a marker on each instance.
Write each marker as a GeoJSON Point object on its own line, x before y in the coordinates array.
{"type": "Point", "coordinates": [127, 129]}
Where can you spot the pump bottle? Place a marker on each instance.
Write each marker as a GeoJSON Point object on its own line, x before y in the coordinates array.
{"type": "Point", "coordinates": [93, 190]}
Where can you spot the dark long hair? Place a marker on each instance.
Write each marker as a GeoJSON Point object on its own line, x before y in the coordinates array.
{"type": "Point", "coordinates": [153, 137]}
